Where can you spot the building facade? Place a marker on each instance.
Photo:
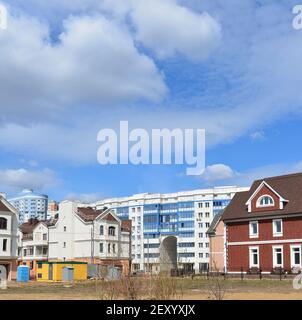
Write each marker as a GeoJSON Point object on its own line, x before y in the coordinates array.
{"type": "Point", "coordinates": [174, 223]}
{"type": "Point", "coordinates": [263, 227]}
{"type": "Point", "coordinates": [52, 209]}
{"type": "Point", "coordinates": [33, 243]}
{"type": "Point", "coordinates": [30, 205]}
{"type": "Point", "coordinates": [89, 235]}
{"type": "Point", "coordinates": [8, 238]}
{"type": "Point", "coordinates": [216, 240]}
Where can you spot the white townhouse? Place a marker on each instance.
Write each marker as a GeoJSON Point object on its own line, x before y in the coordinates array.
{"type": "Point", "coordinates": [33, 243]}
{"type": "Point", "coordinates": [8, 238]}
{"type": "Point", "coordinates": [89, 235]}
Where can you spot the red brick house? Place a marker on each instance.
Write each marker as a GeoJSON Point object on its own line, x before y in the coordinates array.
{"type": "Point", "coordinates": [263, 226]}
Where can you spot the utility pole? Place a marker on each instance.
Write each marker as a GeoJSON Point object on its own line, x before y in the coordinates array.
{"type": "Point", "coordinates": [92, 243]}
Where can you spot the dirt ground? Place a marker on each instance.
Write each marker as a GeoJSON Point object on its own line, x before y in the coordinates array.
{"type": "Point", "coordinates": [191, 289]}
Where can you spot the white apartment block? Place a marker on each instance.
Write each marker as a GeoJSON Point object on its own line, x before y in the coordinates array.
{"type": "Point", "coordinates": [169, 230]}
{"type": "Point", "coordinates": [8, 237]}
{"type": "Point", "coordinates": [33, 243]}
{"type": "Point", "coordinates": [89, 235]}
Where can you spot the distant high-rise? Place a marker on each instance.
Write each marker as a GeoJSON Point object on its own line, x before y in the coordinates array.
{"type": "Point", "coordinates": [53, 208]}
{"type": "Point", "coordinates": [30, 205]}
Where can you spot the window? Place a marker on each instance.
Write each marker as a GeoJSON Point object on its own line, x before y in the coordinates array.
{"type": "Point", "coordinates": [200, 225]}
{"type": "Point", "coordinates": [277, 228]}
{"type": "Point", "coordinates": [4, 246]}
{"type": "Point", "coordinates": [40, 275]}
{"type": "Point", "coordinates": [207, 204]}
{"type": "Point", "coordinates": [3, 224]}
{"type": "Point", "coordinates": [253, 229]}
{"type": "Point", "coordinates": [101, 230]}
{"type": "Point", "coordinates": [44, 236]}
{"type": "Point", "coordinates": [200, 235]}
{"type": "Point", "coordinates": [113, 248]}
{"type": "Point", "coordinates": [111, 231]}
{"type": "Point", "coordinates": [101, 247]}
{"type": "Point", "coordinates": [207, 224]}
{"type": "Point", "coordinates": [200, 215]}
{"type": "Point", "coordinates": [295, 256]}
{"type": "Point", "coordinates": [200, 205]}
{"type": "Point", "coordinates": [200, 245]}
{"type": "Point", "coordinates": [39, 265]}
{"type": "Point", "coordinates": [265, 201]}
{"type": "Point", "coordinates": [207, 214]}
{"type": "Point", "coordinates": [254, 257]}
{"type": "Point", "coordinates": [64, 228]}
{"type": "Point", "coordinates": [64, 244]}
{"type": "Point", "coordinates": [200, 255]}
{"type": "Point", "coordinates": [278, 257]}
{"type": "Point", "coordinates": [109, 247]}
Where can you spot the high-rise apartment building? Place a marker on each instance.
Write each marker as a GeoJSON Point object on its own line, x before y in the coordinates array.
{"type": "Point", "coordinates": [169, 230]}
{"type": "Point", "coordinates": [30, 205]}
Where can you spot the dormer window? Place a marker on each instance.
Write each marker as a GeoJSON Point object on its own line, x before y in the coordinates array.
{"type": "Point", "coordinates": [265, 201]}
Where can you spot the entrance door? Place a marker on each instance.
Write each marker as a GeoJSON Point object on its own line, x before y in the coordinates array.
{"type": "Point", "coordinates": [50, 272]}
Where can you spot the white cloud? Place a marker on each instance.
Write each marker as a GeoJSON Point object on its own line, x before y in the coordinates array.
{"type": "Point", "coordinates": [223, 174]}
{"type": "Point", "coordinates": [94, 63]}
{"type": "Point", "coordinates": [217, 172]}
{"type": "Point", "coordinates": [170, 29]}
{"type": "Point", "coordinates": [258, 135]}
{"type": "Point", "coordinates": [17, 179]}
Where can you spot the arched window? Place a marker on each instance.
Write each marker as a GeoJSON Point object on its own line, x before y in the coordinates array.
{"type": "Point", "coordinates": [265, 201]}
{"type": "Point", "coordinates": [3, 224]}
{"type": "Point", "coordinates": [111, 231]}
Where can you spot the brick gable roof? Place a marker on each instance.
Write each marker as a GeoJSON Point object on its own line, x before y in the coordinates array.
{"type": "Point", "coordinates": [89, 214]}
{"type": "Point", "coordinates": [3, 207]}
{"type": "Point", "coordinates": [288, 186]}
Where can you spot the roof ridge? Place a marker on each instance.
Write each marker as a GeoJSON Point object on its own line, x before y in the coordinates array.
{"type": "Point", "coordinates": [285, 176]}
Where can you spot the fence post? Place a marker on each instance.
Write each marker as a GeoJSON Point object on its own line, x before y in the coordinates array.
{"type": "Point", "coordinates": [260, 274]}
{"type": "Point", "coordinates": [280, 273]}
{"type": "Point", "coordinates": [241, 274]}
{"type": "Point", "coordinates": [208, 271]}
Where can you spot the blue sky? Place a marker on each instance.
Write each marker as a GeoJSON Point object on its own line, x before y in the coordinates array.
{"type": "Point", "coordinates": [71, 68]}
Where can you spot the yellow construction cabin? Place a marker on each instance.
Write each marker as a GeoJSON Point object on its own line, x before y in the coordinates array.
{"type": "Point", "coordinates": [61, 271]}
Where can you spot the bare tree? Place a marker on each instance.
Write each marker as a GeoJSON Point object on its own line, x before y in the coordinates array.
{"type": "Point", "coordinates": [216, 287]}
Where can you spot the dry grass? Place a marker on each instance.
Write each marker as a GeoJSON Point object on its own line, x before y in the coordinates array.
{"type": "Point", "coordinates": [153, 288]}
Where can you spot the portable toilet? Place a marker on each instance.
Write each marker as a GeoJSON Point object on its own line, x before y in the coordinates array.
{"type": "Point", "coordinates": [23, 273]}
{"type": "Point", "coordinates": [67, 273]}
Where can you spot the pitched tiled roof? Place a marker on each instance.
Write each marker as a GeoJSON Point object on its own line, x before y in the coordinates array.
{"type": "Point", "coordinates": [3, 207]}
{"type": "Point", "coordinates": [89, 214]}
{"type": "Point", "coordinates": [288, 186]}
{"type": "Point", "coordinates": [126, 225]}
{"type": "Point", "coordinates": [29, 226]}
{"type": "Point", "coordinates": [214, 222]}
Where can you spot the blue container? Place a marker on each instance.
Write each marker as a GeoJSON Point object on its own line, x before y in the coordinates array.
{"type": "Point", "coordinates": [23, 274]}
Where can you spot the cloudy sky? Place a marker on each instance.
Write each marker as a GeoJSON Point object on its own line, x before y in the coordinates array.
{"type": "Point", "coordinates": [70, 68]}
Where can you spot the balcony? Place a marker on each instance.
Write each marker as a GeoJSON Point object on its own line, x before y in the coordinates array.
{"type": "Point", "coordinates": [27, 237]}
